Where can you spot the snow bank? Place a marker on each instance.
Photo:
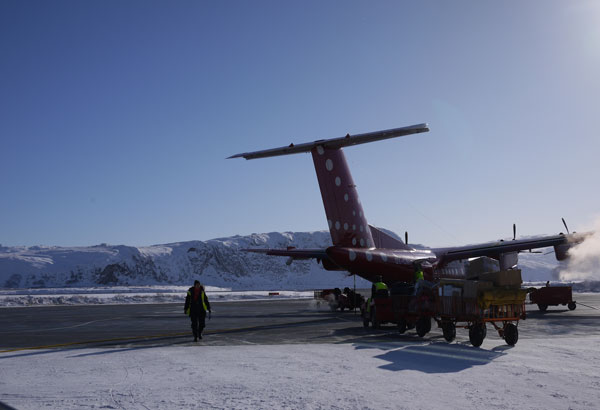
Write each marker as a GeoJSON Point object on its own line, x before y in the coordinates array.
{"type": "Point", "coordinates": [558, 373]}
{"type": "Point", "coordinates": [128, 295]}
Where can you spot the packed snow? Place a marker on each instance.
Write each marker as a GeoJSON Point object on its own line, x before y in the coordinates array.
{"type": "Point", "coordinates": [557, 373]}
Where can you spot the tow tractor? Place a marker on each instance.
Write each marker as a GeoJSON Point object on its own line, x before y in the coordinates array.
{"type": "Point", "coordinates": [553, 296]}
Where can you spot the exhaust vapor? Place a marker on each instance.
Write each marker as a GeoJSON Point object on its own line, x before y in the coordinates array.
{"type": "Point", "coordinates": [584, 258]}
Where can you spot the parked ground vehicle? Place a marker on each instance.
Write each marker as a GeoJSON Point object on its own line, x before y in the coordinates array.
{"type": "Point", "coordinates": [336, 299]}
{"type": "Point", "coordinates": [553, 296]}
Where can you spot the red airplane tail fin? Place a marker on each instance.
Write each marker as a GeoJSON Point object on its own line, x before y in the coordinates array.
{"type": "Point", "coordinates": [347, 223]}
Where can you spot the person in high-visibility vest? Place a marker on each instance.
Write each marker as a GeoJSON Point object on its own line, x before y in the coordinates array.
{"type": "Point", "coordinates": [419, 277]}
{"type": "Point", "coordinates": [196, 307]}
{"type": "Point", "coordinates": [377, 286]}
{"type": "Point", "coordinates": [418, 273]}
{"type": "Point", "coordinates": [377, 291]}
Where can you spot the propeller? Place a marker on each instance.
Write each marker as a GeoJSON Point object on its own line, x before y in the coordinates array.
{"type": "Point", "coordinates": [565, 224]}
{"type": "Point", "coordinates": [406, 237]}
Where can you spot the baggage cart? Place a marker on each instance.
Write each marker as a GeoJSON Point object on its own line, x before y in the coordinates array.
{"type": "Point", "coordinates": [474, 314]}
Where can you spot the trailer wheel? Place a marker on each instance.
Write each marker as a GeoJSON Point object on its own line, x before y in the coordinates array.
{"type": "Point", "coordinates": [401, 326]}
{"type": "Point", "coordinates": [542, 307]}
{"type": "Point", "coordinates": [342, 308]}
{"type": "Point", "coordinates": [477, 333]}
{"type": "Point", "coordinates": [365, 322]}
{"type": "Point", "coordinates": [423, 326]}
{"type": "Point", "coordinates": [449, 331]}
{"type": "Point", "coordinates": [511, 334]}
{"type": "Point", "coordinates": [572, 305]}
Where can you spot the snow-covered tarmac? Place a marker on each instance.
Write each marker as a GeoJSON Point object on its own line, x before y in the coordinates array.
{"type": "Point", "coordinates": [555, 365]}
{"type": "Point", "coordinates": [558, 373]}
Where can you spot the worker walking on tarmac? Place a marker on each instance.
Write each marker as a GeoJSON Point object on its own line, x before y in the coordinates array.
{"type": "Point", "coordinates": [196, 306]}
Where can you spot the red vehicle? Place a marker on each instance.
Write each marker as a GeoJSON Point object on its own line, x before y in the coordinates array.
{"type": "Point", "coordinates": [553, 296]}
{"type": "Point", "coordinates": [364, 250]}
{"type": "Point", "coordinates": [403, 309]}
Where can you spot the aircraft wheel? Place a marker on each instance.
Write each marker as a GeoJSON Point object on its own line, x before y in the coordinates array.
{"type": "Point", "coordinates": [477, 333]}
{"type": "Point", "coordinates": [449, 331]}
{"type": "Point", "coordinates": [401, 326]}
{"type": "Point", "coordinates": [572, 305]}
{"type": "Point", "coordinates": [511, 334]}
{"type": "Point", "coordinates": [423, 326]}
{"type": "Point", "coordinates": [542, 307]}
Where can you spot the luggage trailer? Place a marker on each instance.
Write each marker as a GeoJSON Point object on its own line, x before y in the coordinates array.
{"type": "Point", "coordinates": [453, 312]}
{"type": "Point", "coordinates": [449, 312]}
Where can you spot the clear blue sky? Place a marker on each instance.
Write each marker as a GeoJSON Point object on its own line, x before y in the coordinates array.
{"type": "Point", "coordinates": [117, 117]}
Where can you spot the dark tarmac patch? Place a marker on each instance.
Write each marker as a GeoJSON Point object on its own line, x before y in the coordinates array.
{"type": "Point", "coordinates": [242, 323]}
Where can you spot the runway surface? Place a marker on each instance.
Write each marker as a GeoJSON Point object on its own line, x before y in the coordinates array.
{"type": "Point", "coordinates": [245, 322]}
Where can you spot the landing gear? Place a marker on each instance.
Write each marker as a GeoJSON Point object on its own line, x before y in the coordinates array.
{"type": "Point", "coordinates": [477, 332]}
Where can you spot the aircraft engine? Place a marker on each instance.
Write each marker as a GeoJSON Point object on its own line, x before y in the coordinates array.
{"type": "Point", "coordinates": [562, 251]}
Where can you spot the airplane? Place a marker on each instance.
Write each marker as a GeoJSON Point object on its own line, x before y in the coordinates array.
{"type": "Point", "coordinates": [364, 250]}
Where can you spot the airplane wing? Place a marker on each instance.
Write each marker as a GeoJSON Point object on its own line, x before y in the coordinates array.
{"type": "Point", "coordinates": [495, 249]}
{"type": "Point", "coordinates": [292, 252]}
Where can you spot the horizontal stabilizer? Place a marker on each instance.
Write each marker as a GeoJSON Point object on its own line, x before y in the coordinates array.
{"type": "Point", "coordinates": [333, 143]}
{"type": "Point", "coordinates": [294, 253]}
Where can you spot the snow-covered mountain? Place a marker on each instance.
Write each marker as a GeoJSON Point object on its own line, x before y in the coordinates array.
{"type": "Point", "coordinates": [217, 262]}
